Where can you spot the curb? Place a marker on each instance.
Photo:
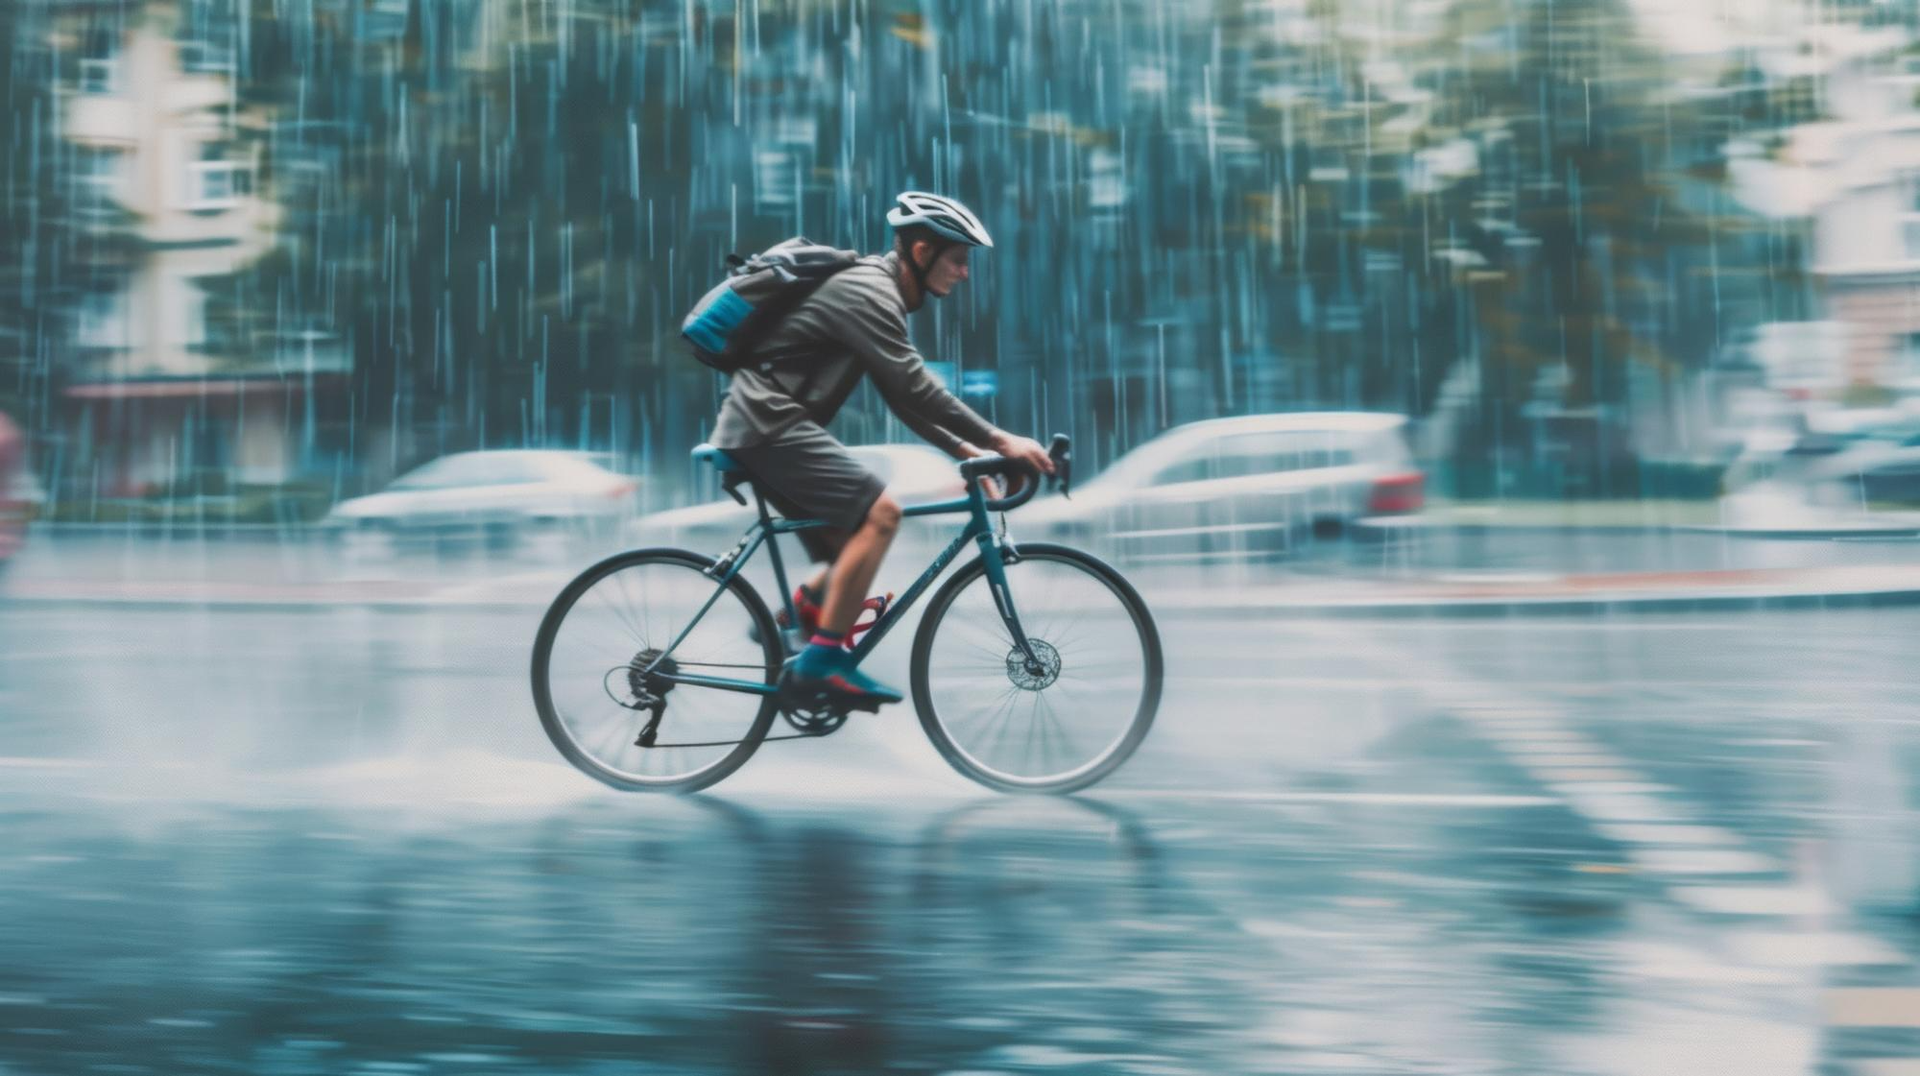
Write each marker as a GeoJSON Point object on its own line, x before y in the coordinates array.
{"type": "Point", "coordinates": [1595, 606]}
{"type": "Point", "coordinates": [172, 529]}
{"type": "Point", "coordinates": [1889, 532]}
{"type": "Point", "coordinates": [1387, 532]}
{"type": "Point", "coordinates": [1387, 608]}
{"type": "Point", "coordinates": [262, 605]}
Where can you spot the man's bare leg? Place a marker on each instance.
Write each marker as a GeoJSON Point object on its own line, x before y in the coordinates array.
{"type": "Point", "coordinates": [859, 561]}
{"type": "Point", "coordinates": [825, 662]}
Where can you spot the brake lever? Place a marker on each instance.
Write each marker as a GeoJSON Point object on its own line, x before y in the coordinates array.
{"type": "Point", "coordinates": [1060, 451]}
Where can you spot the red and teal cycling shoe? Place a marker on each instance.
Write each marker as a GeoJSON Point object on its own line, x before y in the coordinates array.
{"type": "Point", "coordinates": [818, 673]}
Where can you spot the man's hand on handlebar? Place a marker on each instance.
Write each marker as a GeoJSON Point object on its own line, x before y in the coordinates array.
{"type": "Point", "coordinates": [992, 486]}
{"type": "Point", "coordinates": [1011, 447]}
{"type": "Point", "coordinates": [1015, 447]}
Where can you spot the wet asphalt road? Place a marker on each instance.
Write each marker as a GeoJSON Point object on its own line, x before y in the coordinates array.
{"type": "Point", "coordinates": [336, 842]}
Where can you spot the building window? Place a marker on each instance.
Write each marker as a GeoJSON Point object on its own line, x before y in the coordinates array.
{"type": "Point", "coordinates": [217, 184]}
{"type": "Point", "coordinates": [1910, 215]}
{"type": "Point", "coordinates": [776, 178]}
{"type": "Point", "coordinates": [99, 76]}
{"type": "Point", "coordinates": [1906, 362]}
{"type": "Point", "coordinates": [206, 58]}
{"type": "Point", "coordinates": [98, 182]}
{"type": "Point", "coordinates": [1106, 182]}
{"type": "Point", "coordinates": [184, 317]}
{"type": "Point", "coordinates": [99, 59]}
{"type": "Point", "coordinates": [801, 131]}
{"type": "Point", "coordinates": [207, 442]}
{"type": "Point", "coordinates": [100, 319]}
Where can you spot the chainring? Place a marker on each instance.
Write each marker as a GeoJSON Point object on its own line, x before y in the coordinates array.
{"type": "Point", "coordinates": [814, 720]}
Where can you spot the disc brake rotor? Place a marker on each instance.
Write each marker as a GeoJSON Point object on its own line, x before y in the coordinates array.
{"type": "Point", "coordinates": [1031, 677]}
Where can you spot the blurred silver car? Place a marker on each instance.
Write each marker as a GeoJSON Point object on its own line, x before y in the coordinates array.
{"type": "Point", "coordinates": [499, 493]}
{"type": "Point", "coordinates": [914, 474]}
{"type": "Point", "coordinates": [1237, 488]}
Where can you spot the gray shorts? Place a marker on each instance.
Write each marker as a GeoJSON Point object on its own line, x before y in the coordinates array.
{"type": "Point", "coordinates": [808, 474]}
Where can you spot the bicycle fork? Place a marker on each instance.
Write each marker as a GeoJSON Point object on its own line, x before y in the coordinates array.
{"type": "Point", "coordinates": [996, 552]}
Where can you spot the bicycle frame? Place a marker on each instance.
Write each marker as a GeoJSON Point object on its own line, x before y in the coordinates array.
{"type": "Point", "coordinates": [994, 553]}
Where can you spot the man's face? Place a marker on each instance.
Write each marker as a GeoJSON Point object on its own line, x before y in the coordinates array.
{"type": "Point", "coordinates": [949, 269]}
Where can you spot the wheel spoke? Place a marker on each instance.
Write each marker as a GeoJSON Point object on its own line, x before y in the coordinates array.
{"type": "Point", "coordinates": [1062, 729]}
{"type": "Point", "coordinates": [613, 741]}
{"type": "Point", "coordinates": [1003, 705]}
{"type": "Point", "coordinates": [624, 615]}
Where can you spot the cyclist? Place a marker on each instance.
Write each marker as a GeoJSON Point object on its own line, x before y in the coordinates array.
{"type": "Point", "coordinates": [773, 421]}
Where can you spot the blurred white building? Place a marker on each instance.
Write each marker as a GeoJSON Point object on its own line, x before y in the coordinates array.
{"type": "Point", "coordinates": [1854, 178]}
{"type": "Point", "coordinates": [162, 177]}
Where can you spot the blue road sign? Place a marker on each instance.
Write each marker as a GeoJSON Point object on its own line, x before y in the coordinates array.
{"type": "Point", "coordinates": [980, 383]}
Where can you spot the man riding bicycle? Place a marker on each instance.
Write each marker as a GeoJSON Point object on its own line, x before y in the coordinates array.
{"type": "Point", "coordinates": [774, 417]}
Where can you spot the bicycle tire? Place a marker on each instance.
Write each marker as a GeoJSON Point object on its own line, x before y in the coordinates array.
{"type": "Point", "coordinates": [1122, 748]}
{"type": "Point", "coordinates": [556, 727]}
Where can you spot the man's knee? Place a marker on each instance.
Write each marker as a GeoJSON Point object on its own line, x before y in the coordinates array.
{"type": "Point", "coordinates": [884, 516]}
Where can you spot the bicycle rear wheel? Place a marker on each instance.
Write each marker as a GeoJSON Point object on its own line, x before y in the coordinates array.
{"type": "Point", "coordinates": [1060, 727]}
{"type": "Point", "coordinates": [609, 625]}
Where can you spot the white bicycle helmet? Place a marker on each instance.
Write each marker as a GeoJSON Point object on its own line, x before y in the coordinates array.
{"type": "Point", "coordinates": [948, 218]}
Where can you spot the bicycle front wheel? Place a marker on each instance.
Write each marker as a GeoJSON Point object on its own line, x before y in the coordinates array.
{"type": "Point", "coordinates": [1057, 726]}
{"type": "Point", "coordinates": [600, 653]}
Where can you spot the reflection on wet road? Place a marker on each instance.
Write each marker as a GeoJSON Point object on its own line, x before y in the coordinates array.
{"type": "Point", "coordinates": [336, 843]}
{"type": "Point", "coordinates": [706, 936]}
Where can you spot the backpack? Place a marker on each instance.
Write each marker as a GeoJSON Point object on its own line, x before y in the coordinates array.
{"type": "Point", "coordinates": [728, 322]}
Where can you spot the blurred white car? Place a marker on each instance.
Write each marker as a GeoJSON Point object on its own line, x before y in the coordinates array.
{"type": "Point", "coordinates": [20, 495]}
{"type": "Point", "coordinates": [914, 474]}
{"type": "Point", "coordinates": [1237, 488]}
{"type": "Point", "coordinates": [501, 493]}
{"type": "Point", "coordinates": [1864, 477]}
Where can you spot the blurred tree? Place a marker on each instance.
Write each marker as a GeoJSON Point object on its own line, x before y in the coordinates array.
{"type": "Point", "coordinates": [1200, 210]}
{"type": "Point", "coordinates": [59, 234]}
{"type": "Point", "coordinates": [1362, 305]}
{"type": "Point", "coordinates": [1574, 212]}
{"type": "Point", "coordinates": [28, 208]}
{"type": "Point", "coordinates": [489, 210]}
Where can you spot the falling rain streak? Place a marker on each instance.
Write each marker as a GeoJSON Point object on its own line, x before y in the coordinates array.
{"type": "Point", "coordinates": [1538, 228]}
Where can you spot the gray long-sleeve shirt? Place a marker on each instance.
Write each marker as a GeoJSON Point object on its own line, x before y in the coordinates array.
{"type": "Point", "coordinates": [854, 325]}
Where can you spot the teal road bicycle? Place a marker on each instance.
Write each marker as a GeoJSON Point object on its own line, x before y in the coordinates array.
{"type": "Point", "coordinates": [1036, 668]}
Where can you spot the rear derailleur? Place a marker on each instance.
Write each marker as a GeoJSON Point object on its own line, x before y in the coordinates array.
{"type": "Point", "coordinates": [649, 679]}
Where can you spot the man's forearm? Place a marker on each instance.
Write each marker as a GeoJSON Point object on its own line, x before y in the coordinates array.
{"type": "Point", "coordinates": [968, 449]}
{"type": "Point", "coordinates": [933, 433]}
